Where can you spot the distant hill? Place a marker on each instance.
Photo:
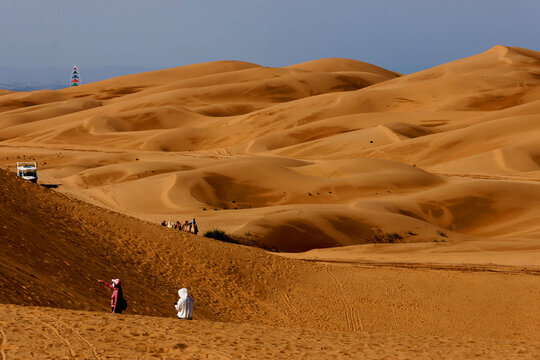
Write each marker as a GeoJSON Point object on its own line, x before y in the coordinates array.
{"type": "Point", "coordinates": [23, 86]}
{"type": "Point", "coordinates": [54, 78]}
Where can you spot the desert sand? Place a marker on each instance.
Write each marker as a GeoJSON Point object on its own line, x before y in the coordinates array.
{"type": "Point", "coordinates": [60, 334]}
{"type": "Point", "coordinates": [391, 215]}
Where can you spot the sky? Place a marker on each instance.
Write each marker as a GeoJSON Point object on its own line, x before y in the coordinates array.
{"type": "Point", "coordinates": [400, 35]}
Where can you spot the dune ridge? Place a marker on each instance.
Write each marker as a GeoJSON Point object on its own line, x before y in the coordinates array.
{"type": "Point", "coordinates": [57, 247]}
{"type": "Point", "coordinates": [234, 136]}
{"type": "Point", "coordinates": [410, 203]}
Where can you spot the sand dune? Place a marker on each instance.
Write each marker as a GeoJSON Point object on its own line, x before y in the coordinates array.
{"type": "Point", "coordinates": [56, 247]}
{"type": "Point", "coordinates": [408, 202]}
{"type": "Point", "coordinates": [58, 334]}
{"type": "Point", "coordinates": [232, 136]}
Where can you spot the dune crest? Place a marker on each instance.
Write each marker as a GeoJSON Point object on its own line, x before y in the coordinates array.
{"type": "Point", "coordinates": [208, 139]}
{"type": "Point", "coordinates": [409, 203]}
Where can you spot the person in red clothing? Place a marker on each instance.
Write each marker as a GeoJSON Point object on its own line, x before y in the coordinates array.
{"type": "Point", "coordinates": [118, 303]}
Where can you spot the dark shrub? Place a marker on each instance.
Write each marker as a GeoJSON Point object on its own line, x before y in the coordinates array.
{"type": "Point", "coordinates": [220, 235]}
{"type": "Point", "coordinates": [381, 237]}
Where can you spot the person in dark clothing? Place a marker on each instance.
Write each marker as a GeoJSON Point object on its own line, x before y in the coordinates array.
{"type": "Point", "coordinates": [118, 303]}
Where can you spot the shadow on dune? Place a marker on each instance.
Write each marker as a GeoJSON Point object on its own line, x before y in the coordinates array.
{"type": "Point", "coordinates": [51, 186]}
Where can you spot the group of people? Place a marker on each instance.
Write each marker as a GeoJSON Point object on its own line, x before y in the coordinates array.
{"type": "Point", "coordinates": [184, 305]}
{"type": "Point", "coordinates": [189, 226]}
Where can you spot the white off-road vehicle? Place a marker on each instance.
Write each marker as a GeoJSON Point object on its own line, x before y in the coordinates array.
{"type": "Point", "coordinates": [27, 170]}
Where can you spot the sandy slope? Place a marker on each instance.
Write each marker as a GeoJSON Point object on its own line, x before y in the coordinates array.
{"type": "Point", "coordinates": [326, 153]}
{"type": "Point", "coordinates": [54, 249]}
{"type": "Point", "coordinates": [43, 333]}
{"type": "Point", "coordinates": [415, 198]}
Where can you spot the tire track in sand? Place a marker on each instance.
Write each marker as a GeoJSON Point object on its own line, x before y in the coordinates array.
{"type": "Point", "coordinates": [393, 319]}
{"type": "Point", "coordinates": [54, 329]}
{"type": "Point", "coordinates": [92, 347]}
{"type": "Point", "coordinates": [219, 354]}
{"type": "Point", "coordinates": [293, 310]}
{"type": "Point", "coordinates": [288, 303]}
{"type": "Point", "coordinates": [3, 344]}
{"type": "Point", "coordinates": [354, 322]}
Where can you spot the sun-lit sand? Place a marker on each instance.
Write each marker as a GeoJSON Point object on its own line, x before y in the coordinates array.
{"type": "Point", "coordinates": [404, 212]}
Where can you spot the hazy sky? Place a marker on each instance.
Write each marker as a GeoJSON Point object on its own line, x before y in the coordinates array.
{"type": "Point", "coordinates": [402, 35]}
